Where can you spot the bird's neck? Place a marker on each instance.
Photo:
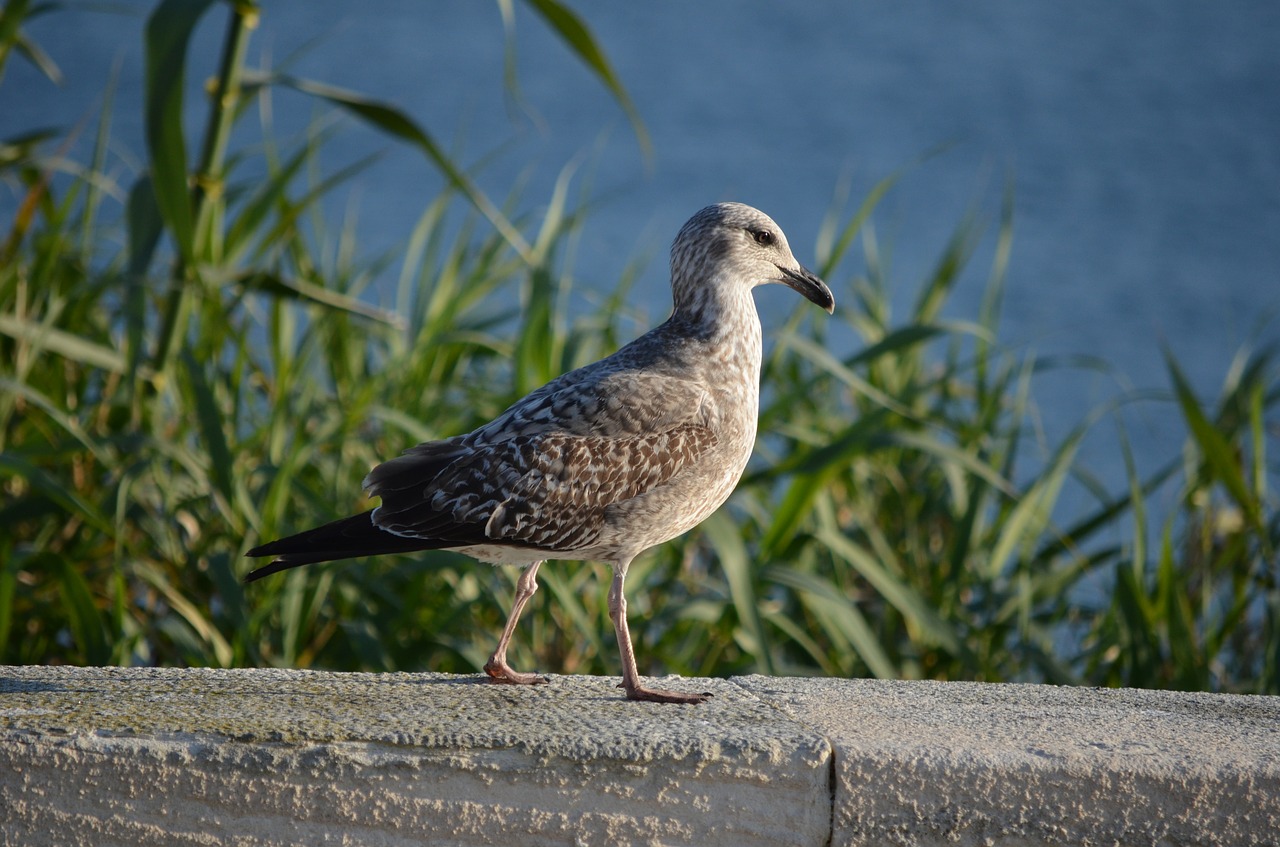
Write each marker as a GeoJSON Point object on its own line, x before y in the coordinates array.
{"type": "Point", "coordinates": [716, 309]}
{"type": "Point", "coordinates": [724, 321]}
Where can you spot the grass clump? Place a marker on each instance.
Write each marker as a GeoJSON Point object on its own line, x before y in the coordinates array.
{"type": "Point", "coordinates": [206, 373]}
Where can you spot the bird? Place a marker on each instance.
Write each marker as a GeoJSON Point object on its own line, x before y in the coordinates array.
{"type": "Point", "coordinates": [602, 462]}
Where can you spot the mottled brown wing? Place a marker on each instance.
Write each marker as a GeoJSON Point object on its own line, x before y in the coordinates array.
{"type": "Point", "coordinates": [560, 502]}
{"type": "Point", "coordinates": [548, 490]}
{"type": "Point", "coordinates": [615, 403]}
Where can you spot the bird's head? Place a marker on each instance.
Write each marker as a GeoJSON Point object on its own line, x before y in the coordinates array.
{"type": "Point", "coordinates": [732, 244]}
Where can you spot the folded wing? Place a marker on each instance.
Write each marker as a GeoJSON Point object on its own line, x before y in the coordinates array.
{"type": "Point", "coordinates": [544, 479]}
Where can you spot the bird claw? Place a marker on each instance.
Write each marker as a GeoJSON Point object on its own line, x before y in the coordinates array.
{"type": "Point", "coordinates": [664, 695]}
{"type": "Point", "coordinates": [501, 673]}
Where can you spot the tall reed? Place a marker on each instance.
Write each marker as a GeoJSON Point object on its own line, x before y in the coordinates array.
{"type": "Point", "coordinates": [222, 377]}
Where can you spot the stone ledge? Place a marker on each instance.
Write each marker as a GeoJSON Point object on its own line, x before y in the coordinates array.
{"type": "Point", "coordinates": [263, 757]}
{"type": "Point", "coordinates": [971, 763]}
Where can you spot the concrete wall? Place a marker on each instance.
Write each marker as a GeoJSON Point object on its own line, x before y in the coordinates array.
{"type": "Point", "coordinates": [105, 756]}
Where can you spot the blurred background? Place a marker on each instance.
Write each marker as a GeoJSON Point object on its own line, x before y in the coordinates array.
{"type": "Point", "coordinates": [1142, 141]}
{"type": "Point", "coordinates": [1114, 168]}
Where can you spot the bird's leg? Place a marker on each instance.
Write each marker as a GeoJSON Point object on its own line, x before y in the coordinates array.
{"type": "Point", "coordinates": [630, 676]}
{"type": "Point", "coordinates": [497, 667]}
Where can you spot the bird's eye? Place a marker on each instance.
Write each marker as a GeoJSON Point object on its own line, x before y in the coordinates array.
{"type": "Point", "coordinates": [763, 237]}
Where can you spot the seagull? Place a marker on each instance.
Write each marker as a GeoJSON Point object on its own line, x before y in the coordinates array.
{"type": "Point", "coordinates": [603, 462]}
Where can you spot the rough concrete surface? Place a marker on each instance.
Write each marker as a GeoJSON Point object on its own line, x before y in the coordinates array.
{"type": "Point", "coordinates": [108, 756]}
{"type": "Point", "coordinates": [102, 756]}
{"type": "Point", "coordinates": [926, 763]}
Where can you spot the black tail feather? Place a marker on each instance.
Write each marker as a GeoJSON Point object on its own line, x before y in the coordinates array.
{"type": "Point", "coordinates": [345, 538]}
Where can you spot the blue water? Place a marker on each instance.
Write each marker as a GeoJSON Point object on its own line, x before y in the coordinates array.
{"type": "Point", "coordinates": [1142, 140]}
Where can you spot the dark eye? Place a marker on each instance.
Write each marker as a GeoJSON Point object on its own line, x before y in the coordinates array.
{"type": "Point", "coordinates": [763, 237]}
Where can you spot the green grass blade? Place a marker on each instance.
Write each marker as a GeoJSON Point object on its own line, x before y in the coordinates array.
{"type": "Point", "coordinates": [253, 216]}
{"type": "Point", "coordinates": [212, 646]}
{"type": "Point", "coordinates": [812, 471]}
{"type": "Point", "coordinates": [209, 420]}
{"type": "Point", "coordinates": [731, 551]}
{"type": "Point", "coordinates": [167, 34]}
{"type": "Point", "coordinates": [958, 456]}
{"type": "Point", "coordinates": [898, 341]}
{"type": "Point", "coordinates": [144, 226]}
{"type": "Point", "coordinates": [86, 620]}
{"type": "Point", "coordinates": [12, 14]}
{"type": "Point", "coordinates": [1218, 455]}
{"type": "Point", "coordinates": [839, 616]}
{"type": "Point", "coordinates": [575, 34]}
{"type": "Point", "coordinates": [897, 592]}
{"type": "Point", "coordinates": [36, 55]}
{"type": "Point", "coordinates": [65, 344]}
{"type": "Point", "coordinates": [830, 256]}
{"type": "Point", "coordinates": [97, 167]}
{"type": "Point", "coordinates": [57, 415]}
{"type": "Point", "coordinates": [8, 586]}
{"type": "Point", "coordinates": [1031, 515]}
{"type": "Point", "coordinates": [396, 123]}
{"type": "Point", "coordinates": [276, 285]}
{"type": "Point", "coordinates": [826, 360]}
{"type": "Point", "coordinates": [54, 490]}
{"type": "Point", "coordinates": [1186, 658]}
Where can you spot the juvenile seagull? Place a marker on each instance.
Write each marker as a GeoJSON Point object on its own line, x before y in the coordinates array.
{"type": "Point", "coordinates": [603, 462]}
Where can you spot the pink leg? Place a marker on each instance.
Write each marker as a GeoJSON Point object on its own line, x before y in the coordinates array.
{"type": "Point", "coordinates": [497, 667]}
{"type": "Point", "coordinates": [630, 676]}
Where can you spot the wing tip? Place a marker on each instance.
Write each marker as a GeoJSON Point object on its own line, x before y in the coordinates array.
{"type": "Point", "coordinates": [274, 566]}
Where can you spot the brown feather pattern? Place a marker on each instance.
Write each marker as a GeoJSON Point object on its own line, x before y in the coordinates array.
{"type": "Point", "coordinates": [607, 460]}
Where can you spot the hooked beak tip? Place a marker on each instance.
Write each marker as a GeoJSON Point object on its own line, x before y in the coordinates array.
{"type": "Point", "coordinates": [810, 287]}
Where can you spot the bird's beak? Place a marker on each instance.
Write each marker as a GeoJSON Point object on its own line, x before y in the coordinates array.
{"type": "Point", "coordinates": [808, 284]}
